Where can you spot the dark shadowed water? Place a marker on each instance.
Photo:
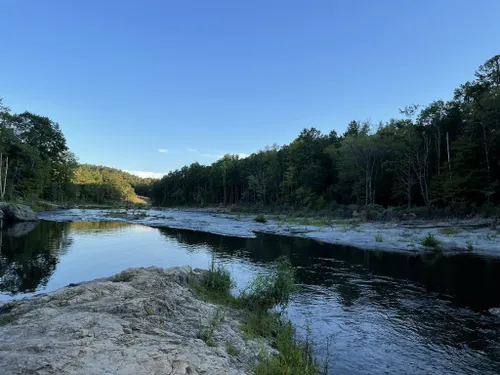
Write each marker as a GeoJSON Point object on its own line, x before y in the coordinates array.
{"type": "Point", "coordinates": [381, 313]}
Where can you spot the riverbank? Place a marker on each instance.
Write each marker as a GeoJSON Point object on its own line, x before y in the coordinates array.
{"type": "Point", "coordinates": [141, 321]}
{"type": "Point", "coordinates": [452, 237]}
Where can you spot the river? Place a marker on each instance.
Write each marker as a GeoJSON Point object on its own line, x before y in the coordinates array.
{"type": "Point", "coordinates": [379, 313]}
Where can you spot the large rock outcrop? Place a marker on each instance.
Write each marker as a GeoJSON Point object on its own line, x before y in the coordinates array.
{"type": "Point", "coordinates": [18, 212]}
{"type": "Point", "coordinates": [142, 321]}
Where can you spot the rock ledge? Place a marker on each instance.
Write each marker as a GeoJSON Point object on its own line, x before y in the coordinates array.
{"type": "Point", "coordinates": [141, 321]}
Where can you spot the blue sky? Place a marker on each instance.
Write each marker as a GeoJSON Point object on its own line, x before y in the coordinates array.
{"type": "Point", "coordinates": [154, 85]}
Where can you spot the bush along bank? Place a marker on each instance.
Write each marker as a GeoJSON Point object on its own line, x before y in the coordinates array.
{"type": "Point", "coordinates": [262, 304]}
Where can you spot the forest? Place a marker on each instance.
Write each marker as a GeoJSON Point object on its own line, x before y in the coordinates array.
{"type": "Point", "coordinates": [36, 163]}
{"type": "Point", "coordinates": [442, 156]}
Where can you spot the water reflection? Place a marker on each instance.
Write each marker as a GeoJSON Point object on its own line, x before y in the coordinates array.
{"type": "Point", "coordinates": [468, 280]}
{"type": "Point", "coordinates": [29, 254]}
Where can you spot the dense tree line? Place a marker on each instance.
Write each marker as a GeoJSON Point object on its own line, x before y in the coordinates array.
{"type": "Point", "coordinates": [36, 163]}
{"type": "Point", "coordinates": [443, 155]}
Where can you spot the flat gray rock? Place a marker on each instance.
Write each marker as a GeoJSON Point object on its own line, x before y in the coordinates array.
{"type": "Point", "coordinates": [143, 321]}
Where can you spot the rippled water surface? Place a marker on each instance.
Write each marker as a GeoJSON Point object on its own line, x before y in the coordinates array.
{"type": "Point", "coordinates": [379, 313]}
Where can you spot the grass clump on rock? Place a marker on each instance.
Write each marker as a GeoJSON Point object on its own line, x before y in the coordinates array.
{"type": "Point", "coordinates": [259, 301]}
{"type": "Point", "coordinates": [430, 241]}
{"type": "Point", "coordinates": [260, 219]}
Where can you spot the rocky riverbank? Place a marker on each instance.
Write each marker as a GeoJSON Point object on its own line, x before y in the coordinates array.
{"type": "Point", "coordinates": [453, 237]}
{"type": "Point", "coordinates": [141, 321]}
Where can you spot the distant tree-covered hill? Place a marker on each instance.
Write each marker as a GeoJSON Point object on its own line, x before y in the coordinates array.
{"type": "Point", "coordinates": [36, 163]}
{"type": "Point", "coordinates": [103, 184]}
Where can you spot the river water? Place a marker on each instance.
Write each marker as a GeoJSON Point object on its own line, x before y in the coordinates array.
{"type": "Point", "coordinates": [376, 312]}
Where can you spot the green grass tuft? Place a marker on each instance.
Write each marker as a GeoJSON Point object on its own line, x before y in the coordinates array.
{"type": "Point", "coordinates": [122, 277]}
{"type": "Point", "coordinates": [268, 290]}
{"type": "Point", "coordinates": [295, 356]}
{"type": "Point", "coordinates": [379, 238]}
{"type": "Point", "coordinates": [430, 241]}
{"type": "Point", "coordinates": [470, 246]}
{"type": "Point", "coordinates": [207, 333]}
{"type": "Point", "coordinates": [260, 219]}
{"type": "Point", "coordinates": [231, 349]}
{"type": "Point", "coordinates": [149, 311]}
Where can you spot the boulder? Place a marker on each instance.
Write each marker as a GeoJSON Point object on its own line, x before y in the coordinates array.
{"type": "Point", "coordinates": [18, 212]}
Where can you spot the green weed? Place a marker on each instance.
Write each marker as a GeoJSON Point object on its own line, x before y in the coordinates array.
{"type": "Point", "coordinates": [149, 311]}
{"type": "Point", "coordinates": [273, 289]}
{"type": "Point", "coordinates": [123, 276]}
{"type": "Point", "coordinates": [231, 349]}
{"type": "Point", "coordinates": [258, 299]}
{"type": "Point", "coordinates": [430, 241]}
{"type": "Point", "coordinates": [207, 333]}
{"type": "Point", "coordinates": [470, 246]}
{"type": "Point", "coordinates": [260, 219]}
{"type": "Point", "coordinates": [295, 356]}
{"type": "Point", "coordinates": [379, 238]}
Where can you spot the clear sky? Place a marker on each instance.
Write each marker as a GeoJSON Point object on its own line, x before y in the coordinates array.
{"type": "Point", "coordinates": [197, 79]}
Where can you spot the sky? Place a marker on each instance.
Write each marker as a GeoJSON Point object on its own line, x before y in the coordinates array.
{"type": "Point", "coordinates": [150, 86]}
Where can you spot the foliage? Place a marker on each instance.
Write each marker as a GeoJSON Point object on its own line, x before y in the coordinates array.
{"type": "Point", "coordinates": [260, 219]}
{"type": "Point", "coordinates": [268, 290]}
{"type": "Point", "coordinates": [41, 166]}
{"type": "Point", "coordinates": [470, 246]}
{"type": "Point", "coordinates": [430, 241]}
{"type": "Point", "coordinates": [295, 356]}
{"type": "Point", "coordinates": [257, 300]}
{"type": "Point", "coordinates": [216, 284]}
{"type": "Point", "coordinates": [207, 333]}
{"type": "Point", "coordinates": [100, 184]}
{"type": "Point", "coordinates": [444, 156]}
{"type": "Point", "coordinates": [379, 238]}
{"type": "Point", "coordinates": [231, 349]}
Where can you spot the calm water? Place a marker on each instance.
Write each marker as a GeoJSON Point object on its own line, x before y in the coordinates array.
{"type": "Point", "coordinates": [382, 313]}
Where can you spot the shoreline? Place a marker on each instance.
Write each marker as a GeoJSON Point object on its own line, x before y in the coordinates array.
{"type": "Point", "coordinates": [454, 237]}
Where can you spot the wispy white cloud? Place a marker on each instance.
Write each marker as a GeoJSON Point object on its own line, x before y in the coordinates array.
{"type": "Point", "coordinates": [191, 149]}
{"type": "Point", "coordinates": [163, 150]}
{"type": "Point", "coordinates": [242, 155]}
{"type": "Point", "coordinates": [146, 174]}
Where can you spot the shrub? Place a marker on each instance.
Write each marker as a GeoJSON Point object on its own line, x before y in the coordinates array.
{"type": "Point", "coordinates": [262, 324]}
{"type": "Point", "coordinates": [216, 284]}
{"type": "Point", "coordinates": [270, 290]}
{"type": "Point", "coordinates": [260, 219]}
{"type": "Point", "coordinates": [430, 241]}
